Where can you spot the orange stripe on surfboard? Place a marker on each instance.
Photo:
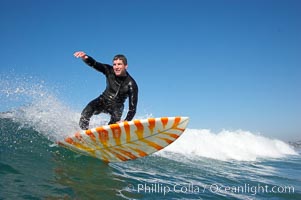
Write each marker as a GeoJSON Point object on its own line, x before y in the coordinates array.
{"type": "Point", "coordinates": [152, 124]}
{"type": "Point", "coordinates": [103, 136]}
{"type": "Point", "coordinates": [120, 157]}
{"type": "Point", "coordinates": [116, 130]}
{"type": "Point", "coordinates": [91, 135]}
{"type": "Point", "coordinates": [152, 144]}
{"type": "Point", "coordinates": [126, 153]}
{"type": "Point", "coordinates": [168, 141]}
{"type": "Point", "coordinates": [176, 124]}
{"type": "Point", "coordinates": [80, 146]}
{"type": "Point", "coordinates": [139, 151]}
{"type": "Point", "coordinates": [127, 131]}
{"type": "Point", "coordinates": [140, 129]}
{"type": "Point", "coordinates": [164, 121]}
{"type": "Point", "coordinates": [171, 135]}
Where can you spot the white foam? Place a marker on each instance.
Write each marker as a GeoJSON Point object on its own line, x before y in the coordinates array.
{"type": "Point", "coordinates": [228, 145]}
{"type": "Point", "coordinates": [34, 105]}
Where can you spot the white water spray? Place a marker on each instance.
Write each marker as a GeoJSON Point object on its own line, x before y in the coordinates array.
{"type": "Point", "coordinates": [228, 145]}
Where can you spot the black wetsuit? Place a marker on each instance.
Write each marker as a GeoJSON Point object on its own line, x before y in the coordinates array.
{"type": "Point", "coordinates": [111, 101]}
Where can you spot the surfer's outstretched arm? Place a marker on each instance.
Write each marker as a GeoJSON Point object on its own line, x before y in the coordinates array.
{"type": "Point", "coordinates": [103, 68]}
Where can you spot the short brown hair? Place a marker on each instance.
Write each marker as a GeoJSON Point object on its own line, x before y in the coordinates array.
{"type": "Point", "coordinates": [121, 57]}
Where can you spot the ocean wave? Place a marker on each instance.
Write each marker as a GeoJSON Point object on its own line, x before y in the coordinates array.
{"type": "Point", "coordinates": [40, 109]}
{"type": "Point", "coordinates": [228, 145]}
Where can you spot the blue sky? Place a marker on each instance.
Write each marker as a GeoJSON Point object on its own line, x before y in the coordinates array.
{"type": "Point", "coordinates": [227, 64]}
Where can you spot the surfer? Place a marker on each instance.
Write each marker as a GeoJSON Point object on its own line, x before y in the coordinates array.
{"type": "Point", "coordinates": [120, 86]}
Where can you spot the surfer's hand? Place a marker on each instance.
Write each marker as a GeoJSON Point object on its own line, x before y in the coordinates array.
{"type": "Point", "coordinates": [80, 54]}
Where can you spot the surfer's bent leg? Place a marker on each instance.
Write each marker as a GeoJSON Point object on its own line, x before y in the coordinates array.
{"type": "Point", "coordinates": [93, 107]}
{"type": "Point", "coordinates": [116, 114]}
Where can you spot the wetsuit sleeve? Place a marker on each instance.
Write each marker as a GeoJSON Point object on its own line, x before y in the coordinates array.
{"type": "Point", "coordinates": [133, 100]}
{"type": "Point", "coordinates": [96, 65]}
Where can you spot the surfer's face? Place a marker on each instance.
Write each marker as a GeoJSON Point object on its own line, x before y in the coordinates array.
{"type": "Point", "coordinates": [119, 67]}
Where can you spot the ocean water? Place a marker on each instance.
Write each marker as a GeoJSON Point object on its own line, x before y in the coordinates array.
{"type": "Point", "coordinates": [199, 165]}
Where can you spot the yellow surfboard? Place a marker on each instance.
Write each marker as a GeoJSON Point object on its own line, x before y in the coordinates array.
{"type": "Point", "coordinates": [127, 140]}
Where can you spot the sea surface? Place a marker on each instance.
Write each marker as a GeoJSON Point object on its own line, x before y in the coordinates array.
{"type": "Point", "coordinates": [201, 164]}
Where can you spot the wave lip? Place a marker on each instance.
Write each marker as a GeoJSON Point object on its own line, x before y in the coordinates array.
{"type": "Point", "coordinates": [229, 145]}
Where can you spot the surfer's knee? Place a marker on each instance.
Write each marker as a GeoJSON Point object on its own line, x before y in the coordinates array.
{"type": "Point", "coordinates": [114, 120]}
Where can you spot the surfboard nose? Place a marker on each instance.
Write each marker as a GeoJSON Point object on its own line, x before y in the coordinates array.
{"type": "Point", "coordinates": [185, 119]}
